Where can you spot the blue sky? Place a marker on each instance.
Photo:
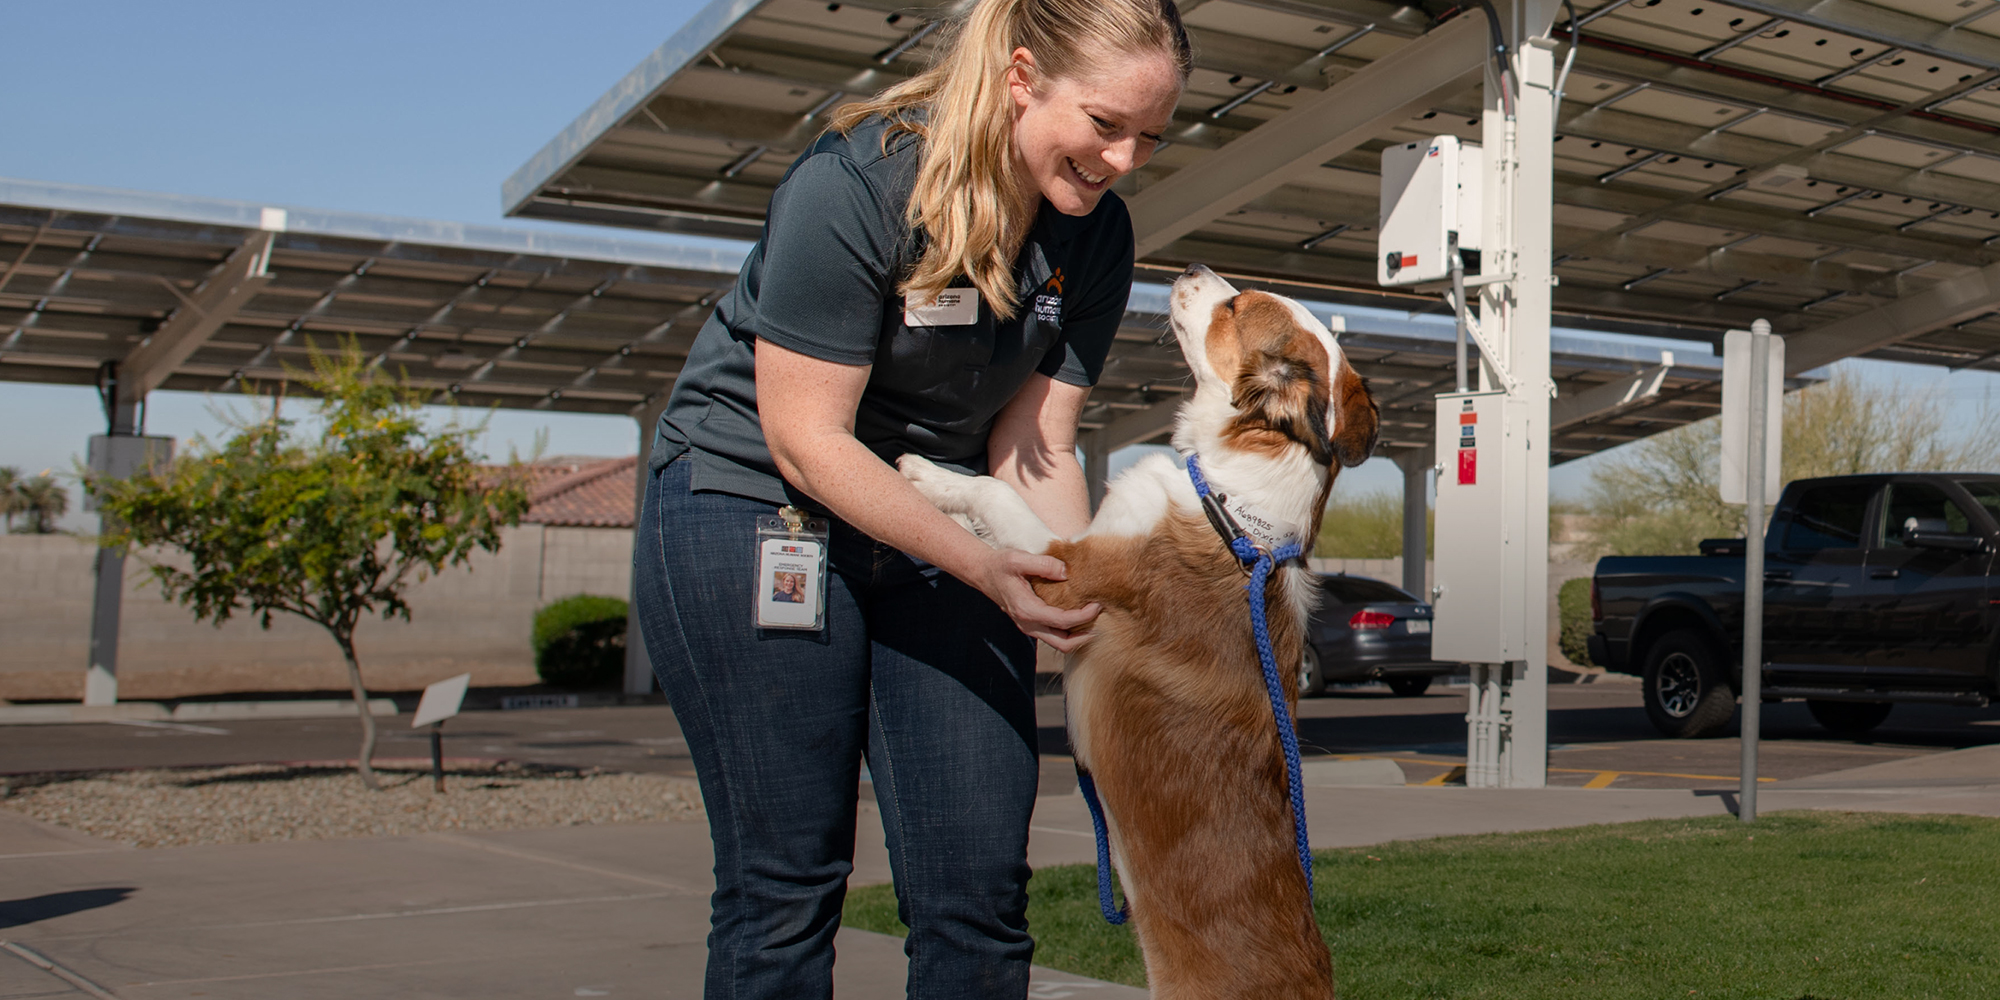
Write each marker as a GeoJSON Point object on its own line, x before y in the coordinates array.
{"type": "Point", "coordinates": [415, 109]}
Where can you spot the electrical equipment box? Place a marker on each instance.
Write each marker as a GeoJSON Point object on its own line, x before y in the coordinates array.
{"type": "Point", "coordinates": [1430, 198]}
{"type": "Point", "coordinates": [1470, 620]}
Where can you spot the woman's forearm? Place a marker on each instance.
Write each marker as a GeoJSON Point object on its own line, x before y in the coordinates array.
{"type": "Point", "coordinates": [861, 489]}
{"type": "Point", "coordinates": [1033, 448]}
{"type": "Point", "coordinates": [1054, 487]}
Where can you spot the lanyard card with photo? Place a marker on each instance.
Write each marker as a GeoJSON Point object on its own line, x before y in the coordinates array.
{"type": "Point", "coordinates": [790, 589]}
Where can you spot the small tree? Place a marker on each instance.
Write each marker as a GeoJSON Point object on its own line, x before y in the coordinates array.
{"type": "Point", "coordinates": [9, 500]}
{"type": "Point", "coordinates": [41, 498]}
{"type": "Point", "coordinates": [328, 526]}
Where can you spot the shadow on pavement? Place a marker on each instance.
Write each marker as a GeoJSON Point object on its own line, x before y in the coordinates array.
{"type": "Point", "coordinates": [21, 912]}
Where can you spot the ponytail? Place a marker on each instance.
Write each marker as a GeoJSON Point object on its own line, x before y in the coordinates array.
{"type": "Point", "coordinates": [967, 201]}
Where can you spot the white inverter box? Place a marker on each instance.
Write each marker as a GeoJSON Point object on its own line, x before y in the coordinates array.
{"type": "Point", "coordinates": [1470, 623]}
{"type": "Point", "coordinates": [1430, 196]}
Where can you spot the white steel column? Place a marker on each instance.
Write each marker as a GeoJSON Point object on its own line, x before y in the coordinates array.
{"type": "Point", "coordinates": [100, 678]}
{"type": "Point", "coordinates": [1096, 447]}
{"type": "Point", "coordinates": [1416, 517]}
{"type": "Point", "coordinates": [638, 665]}
{"type": "Point", "coordinates": [1507, 712]}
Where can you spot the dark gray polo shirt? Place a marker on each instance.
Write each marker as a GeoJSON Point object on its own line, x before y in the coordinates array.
{"type": "Point", "coordinates": [822, 282]}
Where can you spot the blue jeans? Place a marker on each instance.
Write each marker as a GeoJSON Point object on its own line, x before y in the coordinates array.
{"type": "Point", "coordinates": [915, 670]}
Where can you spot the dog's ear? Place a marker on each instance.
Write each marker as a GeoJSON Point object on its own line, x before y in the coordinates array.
{"type": "Point", "coordinates": [1360, 420]}
{"type": "Point", "coordinates": [1287, 396]}
{"type": "Point", "coordinates": [1281, 389]}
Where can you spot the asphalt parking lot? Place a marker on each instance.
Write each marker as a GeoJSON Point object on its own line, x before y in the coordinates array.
{"type": "Point", "coordinates": [1599, 738]}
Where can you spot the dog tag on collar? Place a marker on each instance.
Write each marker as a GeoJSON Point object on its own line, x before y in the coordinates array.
{"type": "Point", "coordinates": [789, 591]}
{"type": "Point", "coordinates": [1262, 528]}
{"type": "Point", "coordinates": [951, 307]}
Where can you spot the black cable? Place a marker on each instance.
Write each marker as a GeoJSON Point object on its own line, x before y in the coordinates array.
{"type": "Point", "coordinates": [1500, 57]}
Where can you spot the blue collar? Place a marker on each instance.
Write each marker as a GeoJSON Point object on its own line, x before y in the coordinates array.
{"type": "Point", "coordinates": [1247, 545]}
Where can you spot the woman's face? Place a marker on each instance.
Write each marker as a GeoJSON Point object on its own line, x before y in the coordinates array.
{"type": "Point", "coordinates": [1074, 136]}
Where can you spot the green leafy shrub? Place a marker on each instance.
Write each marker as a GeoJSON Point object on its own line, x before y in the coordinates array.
{"type": "Point", "coordinates": [580, 641]}
{"type": "Point", "coordinates": [1574, 602]}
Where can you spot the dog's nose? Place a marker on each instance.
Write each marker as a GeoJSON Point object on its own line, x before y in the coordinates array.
{"type": "Point", "coordinates": [1195, 270]}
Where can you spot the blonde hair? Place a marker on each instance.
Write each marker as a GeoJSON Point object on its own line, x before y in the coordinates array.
{"type": "Point", "coordinates": [967, 201]}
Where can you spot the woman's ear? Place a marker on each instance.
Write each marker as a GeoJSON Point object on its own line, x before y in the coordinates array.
{"type": "Point", "coordinates": [1021, 77]}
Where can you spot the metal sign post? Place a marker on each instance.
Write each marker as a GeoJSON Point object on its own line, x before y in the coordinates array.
{"type": "Point", "coordinates": [441, 701]}
{"type": "Point", "coordinates": [1752, 438]}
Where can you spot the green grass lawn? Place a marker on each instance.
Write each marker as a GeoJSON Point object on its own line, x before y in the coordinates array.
{"type": "Point", "coordinates": [1799, 906]}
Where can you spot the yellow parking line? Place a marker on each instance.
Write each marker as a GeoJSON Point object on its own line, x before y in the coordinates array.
{"type": "Point", "coordinates": [1649, 774]}
{"type": "Point", "coordinates": [1603, 779]}
{"type": "Point", "coordinates": [1445, 778]}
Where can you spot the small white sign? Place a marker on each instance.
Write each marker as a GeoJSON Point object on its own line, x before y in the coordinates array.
{"type": "Point", "coordinates": [441, 701]}
{"type": "Point", "coordinates": [1736, 417]}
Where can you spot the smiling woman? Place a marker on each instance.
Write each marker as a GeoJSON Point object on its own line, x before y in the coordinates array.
{"type": "Point", "coordinates": [941, 274]}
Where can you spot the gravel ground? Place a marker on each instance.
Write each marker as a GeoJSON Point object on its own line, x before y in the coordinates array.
{"type": "Point", "coordinates": [257, 802]}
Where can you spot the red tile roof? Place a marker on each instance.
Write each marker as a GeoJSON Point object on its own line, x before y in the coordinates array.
{"type": "Point", "coordinates": [583, 493]}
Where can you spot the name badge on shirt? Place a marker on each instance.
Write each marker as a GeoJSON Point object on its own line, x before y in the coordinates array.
{"type": "Point", "coordinates": [951, 307]}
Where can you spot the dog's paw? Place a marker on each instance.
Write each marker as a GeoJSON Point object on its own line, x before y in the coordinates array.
{"type": "Point", "coordinates": [917, 468]}
{"type": "Point", "coordinates": [951, 492]}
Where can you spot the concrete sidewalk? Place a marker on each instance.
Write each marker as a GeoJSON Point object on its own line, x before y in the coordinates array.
{"type": "Point", "coordinates": [622, 910]}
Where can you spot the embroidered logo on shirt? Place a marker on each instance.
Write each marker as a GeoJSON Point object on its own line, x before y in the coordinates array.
{"type": "Point", "coordinates": [1048, 308]}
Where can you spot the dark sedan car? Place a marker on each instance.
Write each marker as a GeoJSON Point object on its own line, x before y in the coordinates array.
{"type": "Point", "coordinates": [1368, 630]}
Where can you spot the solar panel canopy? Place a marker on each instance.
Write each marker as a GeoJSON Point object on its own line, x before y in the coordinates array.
{"type": "Point", "coordinates": [1831, 166]}
{"type": "Point", "coordinates": [482, 315]}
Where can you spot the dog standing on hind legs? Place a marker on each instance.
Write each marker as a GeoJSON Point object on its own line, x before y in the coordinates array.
{"type": "Point", "coordinates": [1167, 705]}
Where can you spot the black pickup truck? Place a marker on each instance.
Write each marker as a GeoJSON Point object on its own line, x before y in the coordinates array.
{"type": "Point", "coordinates": [1878, 589]}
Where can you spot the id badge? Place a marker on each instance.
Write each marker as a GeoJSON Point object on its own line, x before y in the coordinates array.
{"type": "Point", "coordinates": [790, 589]}
{"type": "Point", "coordinates": [951, 307]}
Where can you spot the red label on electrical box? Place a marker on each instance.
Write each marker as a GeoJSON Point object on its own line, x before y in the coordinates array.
{"type": "Point", "coordinates": [1468, 467]}
{"type": "Point", "coordinates": [1468, 418]}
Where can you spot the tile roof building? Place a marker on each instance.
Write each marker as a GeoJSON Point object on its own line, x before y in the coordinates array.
{"type": "Point", "coordinates": [583, 493]}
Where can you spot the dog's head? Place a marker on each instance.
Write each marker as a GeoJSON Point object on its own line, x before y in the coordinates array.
{"type": "Point", "coordinates": [1285, 380]}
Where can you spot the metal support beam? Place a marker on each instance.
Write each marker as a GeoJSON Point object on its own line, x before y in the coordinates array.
{"type": "Point", "coordinates": [1096, 465]}
{"type": "Point", "coordinates": [1950, 301]}
{"type": "Point", "coordinates": [1140, 426]}
{"type": "Point", "coordinates": [1885, 26]}
{"type": "Point", "coordinates": [638, 665]}
{"type": "Point", "coordinates": [100, 678]}
{"type": "Point", "coordinates": [1416, 464]}
{"type": "Point", "coordinates": [1386, 92]}
{"type": "Point", "coordinates": [1604, 400]}
{"type": "Point", "coordinates": [236, 282]}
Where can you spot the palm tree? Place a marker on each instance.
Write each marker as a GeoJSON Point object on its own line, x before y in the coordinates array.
{"type": "Point", "coordinates": [10, 501]}
{"type": "Point", "coordinates": [43, 500]}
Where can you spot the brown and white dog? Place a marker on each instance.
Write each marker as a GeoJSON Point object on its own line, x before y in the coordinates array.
{"type": "Point", "coordinates": [1167, 705]}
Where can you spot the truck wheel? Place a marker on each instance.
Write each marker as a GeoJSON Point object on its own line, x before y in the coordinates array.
{"type": "Point", "coordinates": [1684, 690]}
{"type": "Point", "coordinates": [1409, 687]}
{"type": "Point", "coordinates": [1311, 681]}
{"type": "Point", "coordinates": [1849, 719]}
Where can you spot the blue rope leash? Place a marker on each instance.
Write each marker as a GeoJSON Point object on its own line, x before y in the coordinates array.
{"type": "Point", "coordinates": [1261, 564]}
{"type": "Point", "coordinates": [1113, 913]}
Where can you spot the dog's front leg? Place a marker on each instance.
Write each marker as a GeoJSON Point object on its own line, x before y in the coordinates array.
{"type": "Point", "coordinates": [999, 514]}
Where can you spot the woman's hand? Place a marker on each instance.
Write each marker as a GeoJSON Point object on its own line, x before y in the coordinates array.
{"type": "Point", "coordinates": [1008, 579]}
